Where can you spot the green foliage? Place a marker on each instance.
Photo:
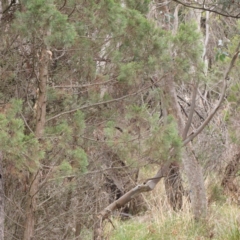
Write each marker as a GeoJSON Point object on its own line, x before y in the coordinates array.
{"type": "Point", "coordinates": [234, 233]}
{"type": "Point", "coordinates": [188, 49]}
{"type": "Point", "coordinates": [128, 71]}
{"type": "Point", "coordinates": [67, 137]}
{"type": "Point", "coordinates": [163, 138]}
{"type": "Point", "coordinates": [23, 151]}
{"type": "Point", "coordinates": [230, 231]}
{"type": "Point", "coordinates": [79, 121]}
{"type": "Point", "coordinates": [42, 20]}
{"type": "Point", "coordinates": [221, 55]}
{"type": "Point", "coordinates": [141, 5]}
{"type": "Point", "coordinates": [174, 227]}
{"type": "Point", "coordinates": [216, 194]}
{"type": "Point", "coordinates": [234, 95]}
{"type": "Point", "coordinates": [133, 231]}
{"type": "Point", "coordinates": [65, 168]}
{"type": "Point", "coordinates": [81, 159]}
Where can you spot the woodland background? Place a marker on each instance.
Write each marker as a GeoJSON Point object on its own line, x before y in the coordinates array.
{"type": "Point", "coordinates": [100, 100]}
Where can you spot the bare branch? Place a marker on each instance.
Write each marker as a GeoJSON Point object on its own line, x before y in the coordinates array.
{"type": "Point", "coordinates": [201, 117]}
{"type": "Point", "coordinates": [25, 121]}
{"type": "Point", "coordinates": [210, 116]}
{"type": "Point", "coordinates": [100, 103]}
{"type": "Point", "coordinates": [196, 5]}
{"type": "Point", "coordinates": [127, 197]}
{"type": "Point", "coordinates": [192, 109]}
{"type": "Point", "coordinates": [83, 85]}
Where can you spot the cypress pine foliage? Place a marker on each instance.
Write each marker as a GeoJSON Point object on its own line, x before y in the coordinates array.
{"type": "Point", "coordinates": [104, 108]}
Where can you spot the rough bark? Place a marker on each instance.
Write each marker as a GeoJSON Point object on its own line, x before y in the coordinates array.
{"type": "Point", "coordinates": [191, 166]}
{"type": "Point", "coordinates": [230, 174]}
{"type": "Point", "coordinates": [196, 183]}
{"type": "Point", "coordinates": [1, 10]}
{"type": "Point", "coordinates": [173, 186]}
{"type": "Point", "coordinates": [2, 215]}
{"type": "Point", "coordinates": [31, 202]}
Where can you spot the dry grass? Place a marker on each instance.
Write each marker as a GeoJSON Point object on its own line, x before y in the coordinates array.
{"type": "Point", "coordinates": [160, 222]}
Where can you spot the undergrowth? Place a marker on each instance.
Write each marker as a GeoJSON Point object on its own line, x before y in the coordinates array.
{"type": "Point", "coordinates": [162, 223]}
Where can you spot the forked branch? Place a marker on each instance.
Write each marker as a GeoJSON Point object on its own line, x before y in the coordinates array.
{"type": "Point", "coordinates": [213, 112]}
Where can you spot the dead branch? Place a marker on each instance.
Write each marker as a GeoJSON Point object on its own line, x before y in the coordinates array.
{"type": "Point", "coordinates": [127, 197]}
{"type": "Point", "coordinates": [212, 8]}
{"type": "Point", "coordinates": [190, 116]}
{"type": "Point", "coordinates": [102, 103]}
{"type": "Point", "coordinates": [212, 113]}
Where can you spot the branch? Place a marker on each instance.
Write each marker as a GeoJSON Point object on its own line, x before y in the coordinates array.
{"type": "Point", "coordinates": [100, 103]}
{"type": "Point", "coordinates": [65, 1]}
{"type": "Point", "coordinates": [201, 117]}
{"type": "Point", "coordinates": [84, 85]}
{"type": "Point", "coordinates": [192, 109]}
{"type": "Point", "coordinates": [127, 197]}
{"type": "Point", "coordinates": [212, 113]}
{"type": "Point", "coordinates": [203, 8]}
{"type": "Point", "coordinates": [9, 6]}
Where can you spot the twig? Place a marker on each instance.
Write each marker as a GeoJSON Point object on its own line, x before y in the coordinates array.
{"type": "Point", "coordinates": [99, 103]}
{"type": "Point", "coordinates": [207, 9]}
{"type": "Point", "coordinates": [210, 116]}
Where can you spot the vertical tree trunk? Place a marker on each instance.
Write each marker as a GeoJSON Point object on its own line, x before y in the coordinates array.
{"type": "Point", "coordinates": [173, 186]}
{"type": "Point", "coordinates": [31, 206]}
{"type": "Point", "coordinates": [191, 166]}
{"type": "Point", "coordinates": [196, 183]}
{"type": "Point", "coordinates": [1, 10]}
{"type": "Point", "coordinates": [230, 174]}
{"type": "Point", "coordinates": [2, 217]}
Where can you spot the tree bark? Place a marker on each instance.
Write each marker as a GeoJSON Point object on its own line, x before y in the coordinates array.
{"type": "Point", "coordinates": [2, 216]}
{"type": "Point", "coordinates": [31, 205]}
{"type": "Point", "coordinates": [191, 166]}
{"type": "Point", "coordinates": [230, 173]}
{"type": "Point", "coordinates": [173, 186]}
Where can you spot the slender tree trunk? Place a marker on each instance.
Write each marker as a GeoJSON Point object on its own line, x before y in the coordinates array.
{"type": "Point", "coordinates": [2, 216]}
{"type": "Point", "coordinates": [173, 187]}
{"type": "Point", "coordinates": [192, 168]}
{"type": "Point", "coordinates": [31, 206]}
{"type": "Point", "coordinates": [1, 10]}
{"type": "Point", "coordinates": [196, 183]}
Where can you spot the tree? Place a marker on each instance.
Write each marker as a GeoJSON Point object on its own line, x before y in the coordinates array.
{"type": "Point", "coordinates": [90, 94]}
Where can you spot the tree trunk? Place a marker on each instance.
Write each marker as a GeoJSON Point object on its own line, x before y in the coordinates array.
{"type": "Point", "coordinates": [196, 183]}
{"type": "Point", "coordinates": [173, 187]}
{"type": "Point", "coordinates": [230, 173]}
{"type": "Point", "coordinates": [2, 216]}
{"type": "Point", "coordinates": [191, 166]}
{"type": "Point", "coordinates": [31, 206]}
